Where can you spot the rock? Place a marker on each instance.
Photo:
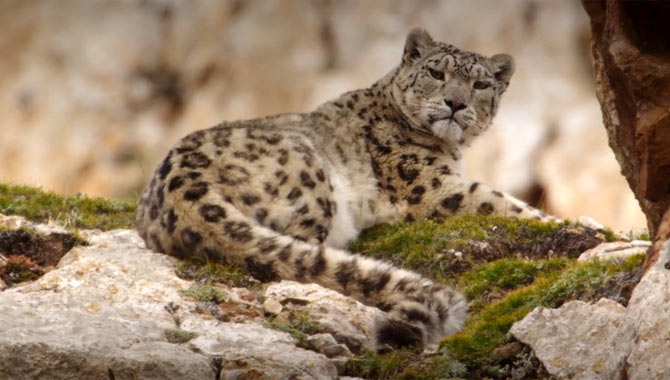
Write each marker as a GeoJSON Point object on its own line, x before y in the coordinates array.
{"type": "Point", "coordinates": [272, 306]}
{"type": "Point", "coordinates": [649, 314]}
{"type": "Point", "coordinates": [104, 312]}
{"type": "Point", "coordinates": [572, 341]}
{"type": "Point", "coordinates": [606, 341]}
{"type": "Point", "coordinates": [327, 345]}
{"type": "Point", "coordinates": [247, 349]}
{"type": "Point", "coordinates": [347, 319]}
{"type": "Point", "coordinates": [632, 69]}
{"type": "Point", "coordinates": [617, 249]}
{"type": "Point", "coordinates": [507, 351]}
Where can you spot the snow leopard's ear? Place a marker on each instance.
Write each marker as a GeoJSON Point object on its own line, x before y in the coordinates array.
{"type": "Point", "coordinates": [418, 43]}
{"type": "Point", "coordinates": [503, 68]}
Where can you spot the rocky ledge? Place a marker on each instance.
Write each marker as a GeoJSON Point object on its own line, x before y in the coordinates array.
{"type": "Point", "coordinates": [111, 309]}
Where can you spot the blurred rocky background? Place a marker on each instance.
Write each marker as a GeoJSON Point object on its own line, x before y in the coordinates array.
{"type": "Point", "coordinates": [94, 92]}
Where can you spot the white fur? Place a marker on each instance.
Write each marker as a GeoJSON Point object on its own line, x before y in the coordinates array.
{"type": "Point", "coordinates": [447, 130]}
{"type": "Point", "coordinates": [343, 228]}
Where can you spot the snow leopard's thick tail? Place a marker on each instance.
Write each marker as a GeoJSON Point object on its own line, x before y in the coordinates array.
{"type": "Point", "coordinates": [418, 311]}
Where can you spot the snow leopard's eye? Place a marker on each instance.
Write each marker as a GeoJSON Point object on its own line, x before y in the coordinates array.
{"type": "Point", "coordinates": [479, 85]}
{"type": "Point", "coordinates": [436, 74]}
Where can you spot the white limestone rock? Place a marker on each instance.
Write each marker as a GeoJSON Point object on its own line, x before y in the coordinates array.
{"type": "Point", "coordinates": [348, 320]}
{"type": "Point", "coordinates": [615, 250]}
{"type": "Point", "coordinates": [104, 310]}
{"type": "Point", "coordinates": [649, 313]}
{"type": "Point", "coordinates": [606, 341]}
{"type": "Point", "coordinates": [578, 340]}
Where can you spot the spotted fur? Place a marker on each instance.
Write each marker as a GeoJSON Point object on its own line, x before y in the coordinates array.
{"type": "Point", "coordinates": [282, 195]}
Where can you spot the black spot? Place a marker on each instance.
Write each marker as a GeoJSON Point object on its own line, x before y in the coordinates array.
{"type": "Point", "coordinates": [384, 306]}
{"type": "Point", "coordinates": [444, 169]}
{"type": "Point", "coordinates": [409, 218]}
{"type": "Point", "coordinates": [262, 272]}
{"type": "Point", "coordinates": [175, 183]}
{"type": "Point", "coordinates": [220, 138]}
{"type": "Point", "coordinates": [307, 223]}
{"type": "Point", "coordinates": [416, 315]}
{"type": "Point", "coordinates": [160, 195]}
{"type": "Point", "coordinates": [153, 212]}
{"type": "Point", "coordinates": [273, 139]}
{"type": "Point", "coordinates": [294, 194]}
{"type": "Point", "coordinates": [285, 253]}
{"type": "Point", "coordinates": [429, 160]}
{"type": "Point", "coordinates": [374, 281]}
{"type": "Point", "coordinates": [306, 180]}
{"type": "Point", "coordinates": [486, 208]}
{"type": "Point", "coordinates": [171, 221]}
{"type": "Point", "coordinates": [194, 175]}
{"type": "Point", "coordinates": [195, 160]}
{"type": "Point", "coordinates": [261, 214]}
{"type": "Point", "coordinates": [233, 175]}
{"type": "Point", "coordinates": [267, 245]}
{"type": "Point", "coordinates": [250, 199]}
{"type": "Point", "coordinates": [435, 183]}
{"type": "Point", "coordinates": [497, 193]}
{"type": "Point", "coordinates": [165, 167]}
{"type": "Point", "coordinates": [318, 264]}
{"type": "Point", "coordinates": [320, 175]}
{"type": "Point", "coordinates": [196, 191]}
{"type": "Point", "coordinates": [321, 233]}
{"type": "Point", "coordinates": [282, 176]}
{"type": "Point", "coordinates": [299, 265]}
{"type": "Point", "coordinates": [516, 209]}
{"type": "Point", "coordinates": [326, 207]}
{"type": "Point", "coordinates": [453, 203]}
{"type": "Point", "coordinates": [398, 334]}
{"type": "Point", "coordinates": [345, 273]}
{"type": "Point", "coordinates": [473, 187]}
{"type": "Point", "coordinates": [190, 239]}
{"type": "Point", "coordinates": [239, 231]}
{"type": "Point", "coordinates": [270, 190]}
{"type": "Point", "coordinates": [212, 213]}
{"type": "Point", "coordinates": [406, 167]}
{"type": "Point", "coordinates": [401, 285]}
{"type": "Point", "coordinates": [416, 195]}
{"type": "Point", "coordinates": [283, 156]}
{"type": "Point", "coordinates": [302, 210]}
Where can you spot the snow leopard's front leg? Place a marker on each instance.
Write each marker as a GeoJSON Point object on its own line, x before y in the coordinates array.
{"type": "Point", "coordinates": [454, 195]}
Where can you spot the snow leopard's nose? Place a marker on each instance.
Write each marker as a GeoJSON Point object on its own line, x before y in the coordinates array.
{"type": "Point", "coordinates": [454, 105]}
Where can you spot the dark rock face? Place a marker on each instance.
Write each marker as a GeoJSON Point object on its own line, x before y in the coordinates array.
{"type": "Point", "coordinates": [631, 50]}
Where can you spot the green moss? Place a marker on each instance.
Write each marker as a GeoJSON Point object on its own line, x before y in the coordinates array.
{"type": "Point", "coordinates": [404, 364]}
{"type": "Point", "coordinates": [488, 329]}
{"type": "Point", "coordinates": [300, 326]}
{"type": "Point", "coordinates": [178, 336]}
{"type": "Point", "coordinates": [71, 211]}
{"type": "Point", "coordinates": [210, 273]}
{"type": "Point", "coordinates": [205, 293]}
{"type": "Point", "coordinates": [492, 280]}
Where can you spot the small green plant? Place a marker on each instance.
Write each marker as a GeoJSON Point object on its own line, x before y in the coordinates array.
{"type": "Point", "coordinates": [178, 336]}
{"type": "Point", "coordinates": [204, 293]}
{"type": "Point", "coordinates": [300, 326]}
{"type": "Point", "coordinates": [210, 273]}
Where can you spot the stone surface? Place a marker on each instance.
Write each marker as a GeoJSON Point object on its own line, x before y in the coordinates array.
{"type": "Point", "coordinates": [104, 310]}
{"type": "Point", "coordinates": [606, 341]}
{"type": "Point", "coordinates": [93, 93]}
{"type": "Point", "coordinates": [617, 249]}
{"type": "Point", "coordinates": [649, 315]}
{"type": "Point", "coordinates": [571, 341]}
{"type": "Point", "coordinates": [348, 320]}
{"type": "Point", "coordinates": [631, 51]}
